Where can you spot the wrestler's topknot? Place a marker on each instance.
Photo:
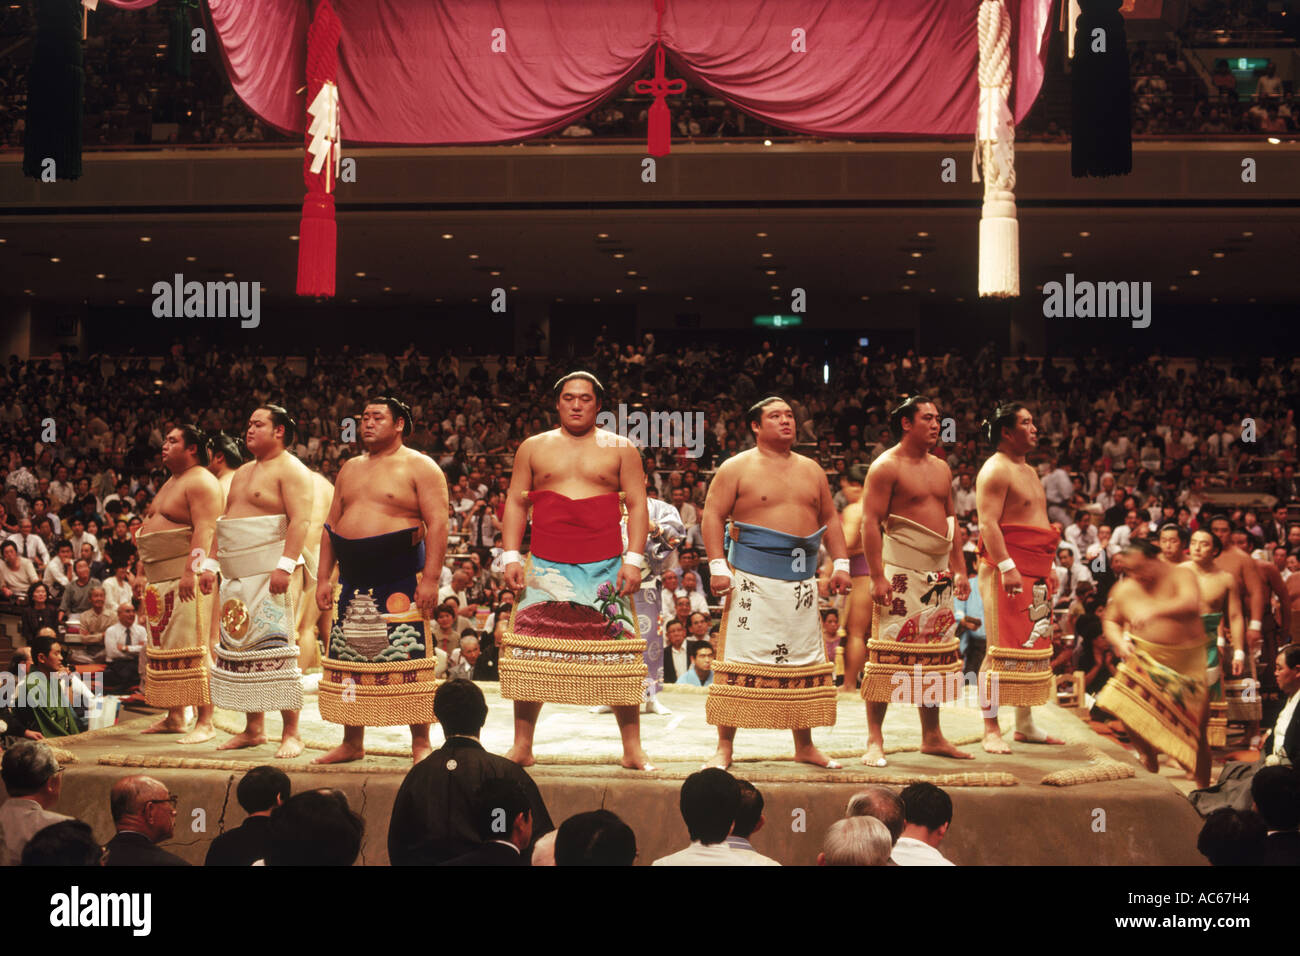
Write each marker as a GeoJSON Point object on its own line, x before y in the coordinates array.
{"type": "Point", "coordinates": [586, 376]}
{"type": "Point", "coordinates": [1004, 416]}
{"type": "Point", "coordinates": [755, 413]}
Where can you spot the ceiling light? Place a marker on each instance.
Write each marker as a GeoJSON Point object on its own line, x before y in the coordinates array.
{"type": "Point", "coordinates": [447, 235]}
{"type": "Point", "coordinates": [353, 301]}
{"type": "Point", "coordinates": [139, 290]}
{"type": "Point", "coordinates": [906, 288]}
{"type": "Point", "coordinates": [359, 275]}
{"type": "Point", "coordinates": [28, 291]}
{"type": "Point", "coordinates": [475, 299]}
{"type": "Point", "coordinates": [1218, 255]}
{"type": "Point", "coordinates": [387, 288]}
{"type": "Point", "coordinates": [55, 259]}
{"type": "Point", "coordinates": [618, 291]}
{"type": "Point", "coordinates": [688, 298]}
{"type": "Point", "coordinates": [642, 288]}
{"type": "Point", "coordinates": [766, 255]}
{"type": "Point", "coordinates": [1084, 235]}
{"type": "Point", "coordinates": [191, 258]}
{"type": "Point", "coordinates": [473, 255]}
{"type": "Point", "coordinates": [514, 288]}
{"type": "Point", "coordinates": [911, 272]}
{"type": "Point", "coordinates": [437, 300]}
{"type": "Point", "coordinates": [1173, 288]}
{"type": "Point", "coordinates": [1214, 298]}
{"type": "Point", "coordinates": [776, 298]}
{"type": "Point", "coordinates": [767, 142]}
{"type": "Point", "coordinates": [769, 272]}
{"type": "Point", "coordinates": [230, 275]}
{"type": "Point", "coordinates": [146, 239]}
{"type": "Point", "coordinates": [931, 290]}
{"type": "Point", "coordinates": [99, 275]}
{"type": "Point", "coordinates": [595, 300]}
{"type": "Point", "coordinates": [922, 235]}
{"type": "Point", "coordinates": [774, 287]}
{"type": "Point", "coordinates": [1067, 255]}
{"type": "Point", "coordinates": [495, 272]}
{"type": "Point", "coordinates": [293, 238]}
{"type": "Point", "coordinates": [960, 299]}
{"type": "Point", "coordinates": [618, 255]}
{"type": "Point", "coordinates": [1247, 235]}
{"type": "Point", "coordinates": [761, 235]}
{"type": "Point", "coordinates": [121, 301]}
{"type": "Point", "coordinates": [3, 241]}
{"type": "Point", "coordinates": [865, 298]}
{"type": "Point", "coordinates": [916, 255]}
{"type": "Point", "coordinates": [602, 235]}
{"type": "Point", "coordinates": [631, 272]}
{"type": "Point", "coordinates": [1193, 272]}
{"type": "Point", "coordinates": [1273, 140]}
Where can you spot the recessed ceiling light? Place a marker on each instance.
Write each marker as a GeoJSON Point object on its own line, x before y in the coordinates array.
{"type": "Point", "coordinates": [631, 272]}
{"type": "Point", "coordinates": [359, 275]}
{"type": "Point", "coordinates": [293, 238]}
{"type": "Point", "coordinates": [931, 290]}
{"type": "Point", "coordinates": [916, 255]}
{"type": "Point", "coordinates": [352, 300]}
{"type": "Point", "coordinates": [769, 272]}
{"type": "Point", "coordinates": [618, 291]}
{"type": "Point", "coordinates": [262, 288]}
{"type": "Point", "coordinates": [1273, 140]}
{"type": "Point", "coordinates": [191, 258]}
{"type": "Point", "coordinates": [230, 275]}
{"type": "Point", "coordinates": [768, 142]}
{"type": "Point", "coordinates": [146, 239]}
{"type": "Point", "coordinates": [121, 301]}
{"type": "Point", "coordinates": [475, 299]}
{"type": "Point", "coordinates": [1084, 235]}
{"type": "Point", "coordinates": [495, 272]}
{"type": "Point", "coordinates": [1193, 272]}
{"type": "Point", "coordinates": [388, 288]}
{"type": "Point", "coordinates": [1173, 288]}
{"type": "Point", "coordinates": [473, 255]}
{"type": "Point", "coordinates": [774, 287]}
{"type": "Point", "coordinates": [906, 288]}
{"type": "Point", "coordinates": [3, 241]}
{"type": "Point", "coordinates": [447, 235]}
{"type": "Point", "coordinates": [761, 235]}
{"type": "Point", "coordinates": [1247, 235]}
{"type": "Point", "coordinates": [865, 298]}
{"type": "Point", "coordinates": [28, 291]}
{"type": "Point", "coordinates": [618, 255]}
{"type": "Point", "coordinates": [960, 299]}
{"type": "Point", "coordinates": [602, 235]}
{"type": "Point", "coordinates": [437, 300]}
{"type": "Point", "coordinates": [766, 255]}
{"type": "Point", "coordinates": [1218, 255]}
{"type": "Point", "coordinates": [514, 288]}
{"type": "Point", "coordinates": [922, 235]}
{"type": "Point", "coordinates": [1067, 255]}
{"type": "Point", "coordinates": [911, 272]}
{"type": "Point", "coordinates": [642, 287]}
{"type": "Point", "coordinates": [99, 275]}
{"type": "Point", "coordinates": [139, 290]}
{"type": "Point", "coordinates": [55, 259]}
{"type": "Point", "coordinates": [688, 298]}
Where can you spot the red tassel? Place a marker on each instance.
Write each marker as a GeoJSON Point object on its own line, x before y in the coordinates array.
{"type": "Point", "coordinates": [659, 129]}
{"type": "Point", "coordinates": [318, 232]}
{"type": "Point", "coordinates": [317, 244]}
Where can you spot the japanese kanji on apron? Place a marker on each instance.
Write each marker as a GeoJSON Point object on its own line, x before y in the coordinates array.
{"type": "Point", "coordinates": [257, 651]}
{"type": "Point", "coordinates": [572, 639]}
{"type": "Point", "coordinates": [770, 668]}
{"type": "Point", "coordinates": [176, 658]}
{"type": "Point", "coordinates": [912, 655]}
{"type": "Point", "coordinates": [1019, 626]}
{"type": "Point", "coordinates": [1160, 693]}
{"type": "Point", "coordinates": [378, 670]}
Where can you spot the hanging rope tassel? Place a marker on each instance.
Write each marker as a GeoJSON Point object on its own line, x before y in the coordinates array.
{"type": "Point", "coordinates": [1101, 139]}
{"type": "Point", "coordinates": [995, 134]}
{"type": "Point", "coordinates": [659, 121]}
{"type": "Point", "coordinates": [55, 91]}
{"type": "Point", "coordinates": [318, 232]}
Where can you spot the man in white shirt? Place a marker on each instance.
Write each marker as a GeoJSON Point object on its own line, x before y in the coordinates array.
{"type": "Point", "coordinates": [927, 814]}
{"type": "Point", "coordinates": [693, 594]}
{"type": "Point", "coordinates": [16, 573]}
{"type": "Point", "coordinates": [34, 781]}
{"type": "Point", "coordinates": [30, 545]}
{"type": "Point", "coordinates": [123, 643]}
{"type": "Point", "coordinates": [1081, 534]}
{"type": "Point", "coordinates": [1070, 572]}
{"type": "Point", "coordinates": [710, 799]}
{"type": "Point", "coordinates": [58, 571]}
{"type": "Point", "coordinates": [963, 495]}
{"type": "Point", "coordinates": [671, 585]}
{"type": "Point", "coordinates": [1058, 487]}
{"type": "Point", "coordinates": [1123, 535]}
{"type": "Point", "coordinates": [118, 589]}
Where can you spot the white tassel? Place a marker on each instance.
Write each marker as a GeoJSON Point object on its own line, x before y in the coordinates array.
{"type": "Point", "coordinates": [999, 266]}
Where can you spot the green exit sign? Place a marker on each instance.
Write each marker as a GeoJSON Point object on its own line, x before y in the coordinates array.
{"type": "Point", "coordinates": [778, 321]}
{"type": "Point", "coordinates": [1244, 63]}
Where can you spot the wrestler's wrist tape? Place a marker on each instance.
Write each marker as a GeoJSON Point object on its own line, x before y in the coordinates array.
{"type": "Point", "coordinates": [718, 568]}
{"type": "Point", "coordinates": [840, 564]}
{"type": "Point", "coordinates": [210, 564]}
{"type": "Point", "coordinates": [1239, 655]}
{"type": "Point", "coordinates": [286, 564]}
{"type": "Point", "coordinates": [511, 557]}
{"type": "Point", "coordinates": [1007, 565]}
{"type": "Point", "coordinates": [636, 559]}
{"type": "Point", "coordinates": [1255, 625]}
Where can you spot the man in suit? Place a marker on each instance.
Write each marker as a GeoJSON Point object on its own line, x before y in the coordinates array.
{"type": "Point", "coordinates": [144, 813]}
{"type": "Point", "coordinates": [260, 791]}
{"type": "Point", "coordinates": [33, 779]}
{"type": "Point", "coordinates": [505, 825]}
{"type": "Point", "coordinates": [676, 657]}
{"type": "Point", "coordinates": [433, 816]}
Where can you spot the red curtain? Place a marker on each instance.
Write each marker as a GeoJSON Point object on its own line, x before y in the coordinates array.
{"type": "Point", "coordinates": [423, 71]}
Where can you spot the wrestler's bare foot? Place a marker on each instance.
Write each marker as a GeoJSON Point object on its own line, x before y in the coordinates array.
{"type": "Point", "coordinates": [721, 757]}
{"type": "Point", "coordinates": [994, 744]}
{"type": "Point", "coordinates": [243, 740]}
{"type": "Point", "coordinates": [636, 759]}
{"type": "Point", "coordinates": [875, 755]}
{"type": "Point", "coordinates": [420, 749]}
{"type": "Point", "coordinates": [810, 754]}
{"type": "Point", "coordinates": [343, 753]}
{"type": "Point", "coordinates": [1045, 739]}
{"type": "Point", "coordinates": [168, 725]}
{"type": "Point", "coordinates": [521, 755]}
{"type": "Point", "coordinates": [200, 734]}
{"type": "Point", "coordinates": [940, 747]}
{"type": "Point", "coordinates": [290, 747]}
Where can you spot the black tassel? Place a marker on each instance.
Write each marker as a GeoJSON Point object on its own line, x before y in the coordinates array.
{"type": "Point", "coordinates": [1101, 135]}
{"type": "Point", "coordinates": [55, 92]}
{"type": "Point", "coordinates": [179, 52]}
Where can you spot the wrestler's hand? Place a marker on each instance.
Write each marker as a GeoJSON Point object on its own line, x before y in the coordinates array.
{"type": "Point", "coordinates": [880, 589]}
{"type": "Point", "coordinates": [841, 583]}
{"type": "Point", "coordinates": [1254, 638]}
{"type": "Point", "coordinates": [629, 579]}
{"type": "Point", "coordinates": [279, 581]}
{"type": "Point", "coordinates": [1238, 666]}
{"type": "Point", "coordinates": [324, 595]}
{"type": "Point", "coordinates": [960, 586]}
{"type": "Point", "coordinates": [207, 581]}
{"type": "Point", "coordinates": [426, 594]}
{"type": "Point", "coordinates": [186, 588]}
{"type": "Point", "coordinates": [1012, 582]}
{"type": "Point", "coordinates": [515, 576]}
{"type": "Point", "coordinates": [719, 584]}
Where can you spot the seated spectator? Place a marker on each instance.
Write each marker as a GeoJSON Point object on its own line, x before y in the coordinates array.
{"type": "Point", "coordinates": [144, 814]}
{"type": "Point", "coordinates": [1081, 534]}
{"type": "Point", "coordinates": [709, 801]}
{"type": "Point", "coordinates": [46, 707]}
{"type": "Point", "coordinates": [676, 660]}
{"type": "Point", "coordinates": [119, 589]}
{"type": "Point", "coordinates": [444, 632]}
{"type": "Point", "coordinates": [1232, 837]}
{"type": "Point", "coordinates": [595, 838]}
{"type": "Point", "coordinates": [670, 582]}
{"type": "Point", "coordinates": [544, 850]}
{"type": "Point", "coordinates": [883, 804]}
{"type": "Point", "coordinates": [749, 820]}
{"type": "Point", "coordinates": [38, 614]}
{"type": "Point", "coordinates": [59, 571]}
{"type": "Point", "coordinates": [698, 603]}
{"type": "Point", "coordinates": [433, 814]}
{"type": "Point", "coordinates": [1275, 794]}
{"type": "Point", "coordinates": [68, 843]}
{"type": "Point", "coordinates": [700, 673]}
{"type": "Point", "coordinates": [94, 624]}
{"type": "Point", "coordinates": [33, 779]}
{"type": "Point", "coordinates": [17, 574]}
{"type": "Point", "coordinates": [830, 631]}
{"type": "Point", "coordinates": [76, 596]}
{"type": "Point", "coordinates": [463, 661]}
{"type": "Point", "coordinates": [927, 814]}
{"type": "Point", "coordinates": [14, 719]}
{"type": "Point", "coordinates": [505, 826]}
{"type": "Point", "coordinates": [855, 841]}
{"type": "Point", "coordinates": [123, 643]}
{"type": "Point", "coordinates": [260, 791]}
{"type": "Point", "coordinates": [1070, 572]}
{"type": "Point", "coordinates": [30, 545]}
{"type": "Point", "coordinates": [314, 828]}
